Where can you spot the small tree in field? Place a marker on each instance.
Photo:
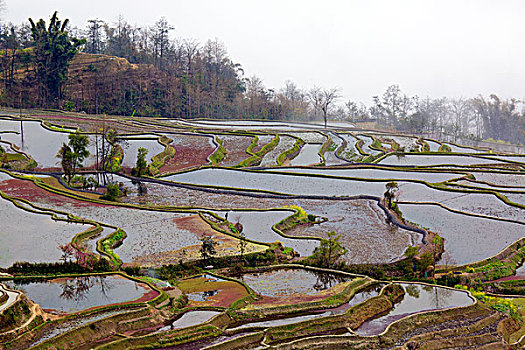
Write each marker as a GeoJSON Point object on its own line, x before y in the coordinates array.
{"type": "Point", "coordinates": [142, 163]}
{"type": "Point", "coordinates": [73, 154]}
{"type": "Point", "coordinates": [391, 191]}
{"type": "Point", "coordinates": [78, 144]}
{"type": "Point", "coordinates": [329, 251]}
{"type": "Point", "coordinates": [66, 161]}
{"type": "Point", "coordinates": [207, 248]}
{"type": "Point", "coordinates": [242, 244]}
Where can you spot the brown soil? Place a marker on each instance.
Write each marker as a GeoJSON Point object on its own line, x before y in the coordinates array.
{"type": "Point", "coordinates": [236, 149]}
{"type": "Point", "coordinates": [227, 291]}
{"type": "Point", "coordinates": [190, 151]}
{"type": "Point", "coordinates": [226, 245]}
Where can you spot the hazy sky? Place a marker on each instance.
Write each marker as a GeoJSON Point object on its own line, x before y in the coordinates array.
{"type": "Point", "coordinates": [429, 48]}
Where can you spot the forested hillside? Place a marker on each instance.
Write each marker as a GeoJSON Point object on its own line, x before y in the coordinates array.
{"type": "Point", "coordinates": [148, 71]}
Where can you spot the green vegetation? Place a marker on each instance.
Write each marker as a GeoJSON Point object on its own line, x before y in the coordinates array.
{"type": "Point", "coordinates": [142, 163]}
{"type": "Point", "coordinates": [498, 304]}
{"type": "Point", "coordinates": [296, 148]}
{"type": "Point", "coordinates": [107, 245]}
{"type": "Point", "coordinates": [112, 192]}
{"type": "Point", "coordinates": [391, 192]}
{"type": "Point", "coordinates": [54, 49]}
{"type": "Point", "coordinates": [256, 157]}
{"type": "Point", "coordinates": [444, 148]}
{"type": "Point", "coordinates": [73, 154]}
{"type": "Point", "coordinates": [219, 154]}
{"type": "Point", "coordinates": [329, 251]}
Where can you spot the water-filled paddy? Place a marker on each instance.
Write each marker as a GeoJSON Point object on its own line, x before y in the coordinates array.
{"type": "Point", "coordinates": [257, 226]}
{"type": "Point", "coordinates": [374, 173]}
{"type": "Point", "coordinates": [366, 294]}
{"type": "Point", "coordinates": [518, 159]}
{"type": "Point", "coordinates": [330, 154]}
{"type": "Point", "coordinates": [459, 149]}
{"type": "Point", "coordinates": [282, 321]}
{"type": "Point", "coordinates": [350, 152]}
{"type": "Point", "coordinates": [71, 324]}
{"type": "Point", "coordinates": [368, 141]}
{"type": "Point", "coordinates": [69, 295]}
{"type": "Point", "coordinates": [433, 145]}
{"type": "Point", "coordinates": [131, 148]}
{"type": "Point", "coordinates": [147, 232]}
{"type": "Point", "coordinates": [11, 297]}
{"type": "Point", "coordinates": [256, 125]}
{"type": "Point", "coordinates": [291, 184]}
{"type": "Point", "coordinates": [467, 239]}
{"type": "Point", "coordinates": [516, 197]}
{"type": "Point", "coordinates": [365, 231]}
{"type": "Point", "coordinates": [421, 160]}
{"type": "Point", "coordinates": [211, 291]}
{"type": "Point", "coordinates": [501, 179]}
{"type": "Point", "coordinates": [190, 318]}
{"type": "Point", "coordinates": [9, 125]}
{"type": "Point", "coordinates": [285, 143]}
{"type": "Point", "coordinates": [285, 282]}
{"type": "Point", "coordinates": [308, 155]}
{"type": "Point", "coordinates": [310, 137]}
{"type": "Point", "coordinates": [235, 146]}
{"type": "Point", "coordinates": [39, 143]}
{"type": "Point", "coordinates": [20, 230]}
{"type": "Point", "coordinates": [190, 151]}
{"type": "Point", "coordinates": [418, 298]}
{"type": "Point", "coordinates": [407, 143]}
{"type": "Point", "coordinates": [356, 299]}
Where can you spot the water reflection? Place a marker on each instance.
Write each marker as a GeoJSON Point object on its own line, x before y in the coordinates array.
{"type": "Point", "coordinates": [66, 295]}
{"type": "Point", "coordinates": [285, 282]}
{"type": "Point", "coordinates": [418, 298]}
{"type": "Point", "coordinates": [327, 280]}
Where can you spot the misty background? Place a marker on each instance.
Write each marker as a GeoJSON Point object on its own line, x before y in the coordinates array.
{"type": "Point", "coordinates": [430, 48]}
{"type": "Point", "coordinates": [440, 68]}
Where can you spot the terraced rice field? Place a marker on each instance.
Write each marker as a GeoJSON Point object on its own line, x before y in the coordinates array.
{"type": "Point", "coordinates": [289, 252]}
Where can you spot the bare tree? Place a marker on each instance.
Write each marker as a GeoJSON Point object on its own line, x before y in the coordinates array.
{"type": "Point", "coordinates": [329, 96]}
{"type": "Point", "coordinates": [460, 110]}
{"type": "Point", "coordinates": [356, 110]}
{"type": "Point", "coordinates": [315, 95]}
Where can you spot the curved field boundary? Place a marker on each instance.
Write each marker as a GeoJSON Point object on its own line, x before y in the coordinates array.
{"type": "Point", "coordinates": [392, 217]}
{"type": "Point", "coordinates": [257, 157]}
{"type": "Point", "coordinates": [324, 148]}
{"type": "Point", "coordinates": [457, 211]}
{"type": "Point", "coordinates": [502, 190]}
{"type": "Point", "coordinates": [155, 301]}
{"type": "Point", "coordinates": [405, 319]}
{"type": "Point", "coordinates": [216, 227]}
{"type": "Point", "coordinates": [496, 187]}
{"type": "Point", "coordinates": [290, 153]}
{"type": "Point", "coordinates": [444, 187]}
{"type": "Point", "coordinates": [29, 334]}
{"type": "Point", "coordinates": [256, 170]}
{"type": "Point", "coordinates": [498, 162]}
{"type": "Point", "coordinates": [340, 149]}
{"type": "Point", "coordinates": [220, 152]}
{"type": "Point", "coordinates": [11, 296]}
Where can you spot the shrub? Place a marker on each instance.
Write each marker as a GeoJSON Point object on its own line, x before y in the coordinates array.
{"type": "Point", "coordinates": [112, 192]}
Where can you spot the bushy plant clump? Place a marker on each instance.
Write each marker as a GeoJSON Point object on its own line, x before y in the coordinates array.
{"type": "Point", "coordinates": [444, 148]}
{"type": "Point", "coordinates": [219, 154]}
{"type": "Point", "coordinates": [502, 305]}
